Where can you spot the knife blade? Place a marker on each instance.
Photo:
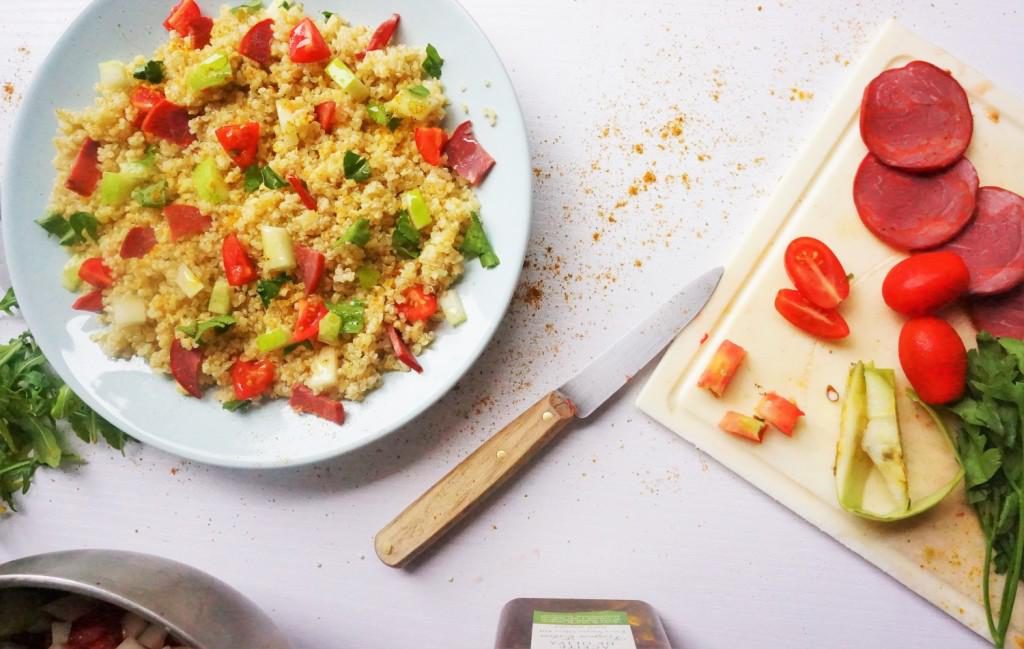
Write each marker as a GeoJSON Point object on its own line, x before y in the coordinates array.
{"type": "Point", "coordinates": [453, 496]}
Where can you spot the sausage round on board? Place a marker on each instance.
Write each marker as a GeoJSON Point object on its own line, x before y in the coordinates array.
{"type": "Point", "coordinates": [916, 117]}
{"type": "Point", "coordinates": [914, 211]}
{"type": "Point", "coordinates": [1000, 315]}
{"type": "Point", "coordinates": [992, 245]}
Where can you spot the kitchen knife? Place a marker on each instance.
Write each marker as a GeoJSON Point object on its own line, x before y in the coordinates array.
{"type": "Point", "coordinates": [476, 477]}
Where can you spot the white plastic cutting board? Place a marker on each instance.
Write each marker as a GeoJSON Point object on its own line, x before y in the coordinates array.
{"type": "Point", "coordinates": [938, 554]}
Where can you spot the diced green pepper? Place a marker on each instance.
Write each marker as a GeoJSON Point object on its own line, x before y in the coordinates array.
{"type": "Point", "coordinates": [213, 71]}
{"type": "Point", "coordinates": [358, 233]}
{"type": "Point", "coordinates": [351, 314]}
{"type": "Point", "coordinates": [330, 328]}
{"type": "Point", "coordinates": [368, 276]}
{"type": "Point", "coordinates": [347, 80]}
{"type": "Point", "coordinates": [220, 297]}
{"type": "Point", "coordinates": [152, 195]}
{"type": "Point", "coordinates": [116, 187]}
{"type": "Point", "coordinates": [209, 182]}
{"type": "Point", "coordinates": [416, 206]}
{"type": "Point", "coordinates": [273, 339]}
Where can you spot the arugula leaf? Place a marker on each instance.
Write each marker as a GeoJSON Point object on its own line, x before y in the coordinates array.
{"type": "Point", "coordinates": [433, 63]}
{"type": "Point", "coordinates": [151, 71]}
{"type": "Point", "coordinates": [197, 329]}
{"type": "Point", "coordinates": [271, 179]}
{"type": "Point", "coordinates": [476, 244]}
{"type": "Point", "coordinates": [418, 90]}
{"type": "Point", "coordinates": [268, 289]}
{"type": "Point", "coordinates": [8, 302]}
{"type": "Point", "coordinates": [351, 314]}
{"type": "Point", "coordinates": [249, 6]}
{"type": "Point", "coordinates": [405, 240]}
{"type": "Point", "coordinates": [236, 405]}
{"type": "Point", "coordinates": [356, 167]}
{"type": "Point", "coordinates": [358, 233]}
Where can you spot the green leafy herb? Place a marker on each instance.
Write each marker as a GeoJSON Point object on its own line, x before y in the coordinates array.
{"type": "Point", "coordinates": [84, 222]}
{"type": "Point", "coordinates": [271, 179]}
{"type": "Point", "coordinates": [991, 450]}
{"type": "Point", "coordinates": [151, 71]}
{"type": "Point", "coordinates": [236, 405]}
{"type": "Point", "coordinates": [70, 231]}
{"type": "Point", "coordinates": [356, 167]}
{"type": "Point", "coordinates": [351, 314]}
{"type": "Point", "coordinates": [153, 195]}
{"type": "Point", "coordinates": [433, 63]}
{"type": "Point", "coordinates": [358, 233]}
{"type": "Point", "coordinates": [249, 6]}
{"type": "Point", "coordinates": [419, 91]}
{"type": "Point", "coordinates": [368, 276]}
{"type": "Point", "coordinates": [380, 114]}
{"type": "Point", "coordinates": [476, 244]}
{"type": "Point", "coordinates": [327, 15]}
{"type": "Point", "coordinates": [268, 289]}
{"type": "Point", "coordinates": [33, 400]}
{"type": "Point", "coordinates": [197, 329]}
{"type": "Point", "coordinates": [405, 240]}
{"type": "Point", "coordinates": [253, 178]}
{"type": "Point", "coordinates": [285, 4]}
{"type": "Point", "coordinates": [8, 302]}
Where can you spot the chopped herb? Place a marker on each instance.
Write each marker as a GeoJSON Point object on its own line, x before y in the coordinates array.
{"type": "Point", "coordinates": [285, 4]}
{"type": "Point", "coordinates": [253, 178]}
{"type": "Point", "coordinates": [351, 314]}
{"type": "Point", "coordinates": [476, 244]}
{"type": "Point", "coordinates": [357, 168]}
{"type": "Point", "coordinates": [236, 405]}
{"type": "Point", "coordinates": [70, 231]}
{"type": "Point", "coordinates": [33, 400]}
{"type": "Point", "coordinates": [406, 238]}
{"type": "Point", "coordinates": [248, 6]}
{"type": "Point", "coordinates": [151, 71]}
{"type": "Point", "coordinates": [84, 222]}
{"type": "Point", "coordinates": [8, 302]}
{"type": "Point", "coordinates": [368, 276]}
{"type": "Point", "coordinates": [382, 116]}
{"type": "Point", "coordinates": [433, 63]}
{"type": "Point", "coordinates": [288, 349]}
{"type": "Point", "coordinates": [268, 289]}
{"type": "Point", "coordinates": [197, 329]}
{"type": "Point", "coordinates": [154, 195]}
{"type": "Point", "coordinates": [271, 179]}
{"type": "Point", "coordinates": [358, 233]}
{"type": "Point", "coordinates": [327, 15]}
{"type": "Point", "coordinates": [419, 91]}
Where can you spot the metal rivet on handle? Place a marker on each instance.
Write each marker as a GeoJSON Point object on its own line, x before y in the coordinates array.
{"type": "Point", "coordinates": [548, 415]}
{"type": "Point", "coordinates": [501, 455]}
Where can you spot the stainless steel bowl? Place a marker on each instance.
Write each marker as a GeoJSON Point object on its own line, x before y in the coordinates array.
{"type": "Point", "coordinates": [197, 608]}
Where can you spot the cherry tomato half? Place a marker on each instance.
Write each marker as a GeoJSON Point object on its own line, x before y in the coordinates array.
{"type": "Point", "coordinates": [306, 45]}
{"type": "Point", "coordinates": [238, 267]}
{"type": "Point", "coordinates": [430, 143]}
{"type": "Point", "coordinates": [251, 378]}
{"type": "Point", "coordinates": [419, 305]}
{"type": "Point", "coordinates": [182, 15]}
{"type": "Point", "coordinates": [816, 272]}
{"type": "Point", "coordinates": [241, 142]}
{"type": "Point", "coordinates": [934, 359]}
{"type": "Point", "coordinates": [307, 325]}
{"type": "Point", "coordinates": [381, 36]}
{"type": "Point", "coordinates": [926, 282]}
{"type": "Point", "coordinates": [96, 272]}
{"type": "Point", "coordinates": [324, 113]}
{"type": "Point", "coordinates": [823, 323]}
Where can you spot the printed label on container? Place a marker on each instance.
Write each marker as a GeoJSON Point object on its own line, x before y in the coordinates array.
{"type": "Point", "coordinates": [583, 630]}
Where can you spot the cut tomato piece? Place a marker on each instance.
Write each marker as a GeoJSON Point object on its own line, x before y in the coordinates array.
{"type": "Point", "coordinates": [307, 325]}
{"type": "Point", "coordinates": [168, 121]}
{"type": "Point", "coordinates": [306, 45]}
{"type": "Point", "coordinates": [419, 305]}
{"type": "Point", "coordinates": [299, 185]}
{"type": "Point", "coordinates": [430, 143]}
{"type": "Point", "coordinates": [181, 16]}
{"type": "Point", "coordinates": [91, 301]}
{"type": "Point", "coordinates": [96, 272]}
{"type": "Point", "coordinates": [238, 268]}
{"type": "Point", "coordinates": [185, 221]}
{"type": "Point", "coordinates": [250, 379]}
{"type": "Point", "coordinates": [305, 400]}
{"type": "Point", "coordinates": [779, 412]}
{"type": "Point", "coordinates": [381, 36]}
{"type": "Point", "coordinates": [743, 426]}
{"type": "Point", "coordinates": [816, 272]}
{"type": "Point", "coordinates": [185, 366]}
{"type": "Point", "coordinates": [311, 267]}
{"type": "Point", "coordinates": [143, 98]}
{"type": "Point", "coordinates": [325, 115]}
{"type": "Point", "coordinates": [402, 352]}
{"type": "Point", "coordinates": [256, 44]}
{"type": "Point", "coordinates": [823, 323]}
{"type": "Point", "coordinates": [241, 142]}
{"type": "Point", "coordinates": [199, 31]}
{"type": "Point", "coordinates": [722, 368]}
{"type": "Point", "coordinates": [138, 242]}
{"type": "Point", "coordinates": [85, 170]}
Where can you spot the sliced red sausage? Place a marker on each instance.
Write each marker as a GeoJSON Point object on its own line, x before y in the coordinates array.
{"type": "Point", "coordinates": [465, 155]}
{"type": "Point", "coordinates": [1000, 315]}
{"type": "Point", "coordinates": [992, 245]}
{"type": "Point", "coordinates": [916, 117]}
{"type": "Point", "coordinates": [139, 241]}
{"type": "Point", "coordinates": [305, 400]}
{"type": "Point", "coordinates": [185, 221]}
{"type": "Point", "coordinates": [185, 364]}
{"type": "Point", "coordinates": [168, 121]}
{"type": "Point", "coordinates": [914, 211]}
{"type": "Point", "coordinates": [311, 267]}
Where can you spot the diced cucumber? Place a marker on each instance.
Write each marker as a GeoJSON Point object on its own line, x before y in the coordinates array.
{"type": "Point", "coordinates": [412, 104]}
{"type": "Point", "coordinates": [329, 328]}
{"type": "Point", "coordinates": [114, 75]}
{"type": "Point", "coordinates": [881, 438]}
{"type": "Point", "coordinates": [138, 169]}
{"type": "Point", "coordinates": [116, 187]}
{"type": "Point", "coordinates": [213, 71]}
{"type": "Point", "coordinates": [277, 249]}
{"type": "Point", "coordinates": [187, 281]}
{"type": "Point", "coordinates": [347, 80]}
{"type": "Point", "coordinates": [127, 310]}
{"type": "Point", "coordinates": [209, 182]}
{"type": "Point", "coordinates": [416, 206]}
{"type": "Point", "coordinates": [152, 195]}
{"type": "Point", "coordinates": [323, 370]}
{"type": "Point", "coordinates": [368, 276]}
{"type": "Point", "coordinates": [220, 297]}
{"type": "Point", "coordinates": [451, 305]}
{"type": "Point", "coordinates": [273, 339]}
{"type": "Point", "coordinates": [69, 278]}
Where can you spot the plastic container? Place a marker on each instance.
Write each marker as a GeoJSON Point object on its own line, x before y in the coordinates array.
{"type": "Point", "coordinates": [529, 623]}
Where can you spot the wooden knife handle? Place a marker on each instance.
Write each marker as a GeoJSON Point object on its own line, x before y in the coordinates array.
{"type": "Point", "coordinates": [475, 478]}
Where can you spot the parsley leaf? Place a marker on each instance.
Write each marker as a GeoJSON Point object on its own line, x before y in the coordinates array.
{"type": "Point", "coordinates": [356, 167]}
{"type": "Point", "coordinates": [418, 90]}
{"type": "Point", "coordinates": [351, 314]}
{"type": "Point", "coordinates": [327, 15]}
{"type": "Point", "coordinates": [405, 240]}
{"type": "Point", "coordinates": [70, 231]}
{"type": "Point", "coordinates": [271, 179]}
{"type": "Point", "coordinates": [433, 63]}
{"type": "Point", "coordinates": [247, 7]}
{"type": "Point", "coordinates": [236, 405]}
{"type": "Point", "coordinates": [151, 71]}
{"type": "Point", "coordinates": [358, 233]}
{"type": "Point", "coordinates": [8, 302]}
{"type": "Point", "coordinates": [268, 289]}
{"type": "Point", "coordinates": [84, 222]}
{"type": "Point", "coordinates": [197, 329]}
{"type": "Point", "coordinates": [476, 244]}
{"type": "Point", "coordinates": [252, 178]}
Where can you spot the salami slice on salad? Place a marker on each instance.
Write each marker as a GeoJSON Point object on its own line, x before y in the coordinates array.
{"type": "Point", "coordinates": [992, 245]}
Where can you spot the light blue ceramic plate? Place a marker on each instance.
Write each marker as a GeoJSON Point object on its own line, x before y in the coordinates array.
{"type": "Point", "coordinates": [147, 405]}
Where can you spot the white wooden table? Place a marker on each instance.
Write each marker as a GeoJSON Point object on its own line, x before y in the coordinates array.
{"type": "Point", "coordinates": [619, 507]}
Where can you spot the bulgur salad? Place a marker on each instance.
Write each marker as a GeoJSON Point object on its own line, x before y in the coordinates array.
{"type": "Point", "coordinates": [269, 206]}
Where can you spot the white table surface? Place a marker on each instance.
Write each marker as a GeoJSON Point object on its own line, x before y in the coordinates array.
{"type": "Point", "coordinates": [619, 507]}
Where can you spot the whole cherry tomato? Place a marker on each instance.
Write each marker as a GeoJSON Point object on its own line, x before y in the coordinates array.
{"type": "Point", "coordinates": [926, 282]}
{"type": "Point", "coordinates": [934, 359]}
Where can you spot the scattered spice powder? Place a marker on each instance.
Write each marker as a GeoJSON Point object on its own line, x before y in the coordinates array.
{"type": "Point", "coordinates": [649, 177]}
{"type": "Point", "coordinates": [993, 115]}
{"type": "Point", "coordinates": [8, 92]}
{"type": "Point", "coordinates": [638, 148]}
{"type": "Point", "coordinates": [796, 94]}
